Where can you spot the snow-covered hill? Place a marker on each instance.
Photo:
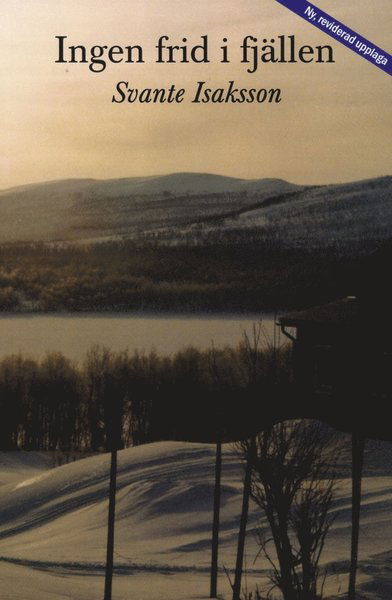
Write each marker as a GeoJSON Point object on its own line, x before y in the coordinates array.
{"type": "Point", "coordinates": [320, 215]}
{"type": "Point", "coordinates": [53, 527]}
{"type": "Point", "coordinates": [79, 209]}
{"type": "Point", "coordinates": [200, 206]}
{"type": "Point", "coordinates": [173, 183]}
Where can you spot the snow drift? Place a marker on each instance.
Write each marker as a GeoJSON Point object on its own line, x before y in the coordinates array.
{"type": "Point", "coordinates": [53, 526]}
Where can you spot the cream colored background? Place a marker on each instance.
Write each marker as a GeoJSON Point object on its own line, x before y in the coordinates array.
{"type": "Point", "coordinates": [57, 121]}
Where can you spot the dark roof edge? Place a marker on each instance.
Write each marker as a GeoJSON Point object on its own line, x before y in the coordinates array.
{"type": "Point", "coordinates": [339, 312]}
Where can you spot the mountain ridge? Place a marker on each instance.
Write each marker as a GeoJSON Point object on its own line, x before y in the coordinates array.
{"type": "Point", "coordinates": [176, 207]}
{"type": "Point", "coordinates": [174, 174]}
{"type": "Point", "coordinates": [173, 180]}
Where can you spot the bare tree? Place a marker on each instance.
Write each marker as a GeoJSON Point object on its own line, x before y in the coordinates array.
{"type": "Point", "coordinates": [293, 483]}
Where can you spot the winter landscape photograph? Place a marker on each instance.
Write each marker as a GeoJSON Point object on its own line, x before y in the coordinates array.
{"type": "Point", "coordinates": [195, 348]}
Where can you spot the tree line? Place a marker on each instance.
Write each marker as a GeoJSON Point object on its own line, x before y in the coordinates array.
{"type": "Point", "coordinates": [127, 398]}
{"type": "Point", "coordinates": [250, 276]}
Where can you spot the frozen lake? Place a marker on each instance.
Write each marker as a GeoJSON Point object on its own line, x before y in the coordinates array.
{"type": "Point", "coordinates": [73, 335]}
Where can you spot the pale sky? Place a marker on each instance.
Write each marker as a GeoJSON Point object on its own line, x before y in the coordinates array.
{"type": "Point", "coordinates": [57, 120]}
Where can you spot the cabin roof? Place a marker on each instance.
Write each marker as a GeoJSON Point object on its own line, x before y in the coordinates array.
{"type": "Point", "coordinates": [344, 312]}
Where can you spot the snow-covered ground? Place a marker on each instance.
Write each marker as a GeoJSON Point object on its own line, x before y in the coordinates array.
{"type": "Point", "coordinates": [53, 527]}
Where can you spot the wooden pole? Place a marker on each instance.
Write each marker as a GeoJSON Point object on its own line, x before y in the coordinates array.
{"type": "Point", "coordinates": [215, 524]}
{"type": "Point", "coordinates": [111, 517]}
{"type": "Point", "coordinates": [358, 444]}
{"type": "Point", "coordinates": [243, 521]}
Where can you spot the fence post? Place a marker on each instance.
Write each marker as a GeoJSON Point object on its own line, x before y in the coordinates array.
{"type": "Point", "coordinates": [215, 525]}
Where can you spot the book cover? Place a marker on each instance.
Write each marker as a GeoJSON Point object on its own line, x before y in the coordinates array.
{"type": "Point", "coordinates": [195, 242]}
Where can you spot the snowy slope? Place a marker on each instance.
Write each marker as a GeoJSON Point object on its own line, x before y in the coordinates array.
{"type": "Point", "coordinates": [21, 466]}
{"type": "Point", "coordinates": [191, 206]}
{"type": "Point", "coordinates": [348, 212]}
{"type": "Point", "coordinates": [53, 527]}
{"type": "Point", "coordinates": [77, 209]}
